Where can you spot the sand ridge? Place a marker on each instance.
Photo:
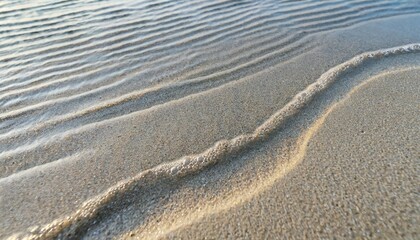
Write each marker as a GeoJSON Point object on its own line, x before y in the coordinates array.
{"type": "Point", "coordinates": [190, 165]}
{"type": "Point", "coordinates": [113, 126]}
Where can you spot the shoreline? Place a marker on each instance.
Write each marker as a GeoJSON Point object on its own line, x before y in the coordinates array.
{"type": "Point", "coordinates": [252, 100]}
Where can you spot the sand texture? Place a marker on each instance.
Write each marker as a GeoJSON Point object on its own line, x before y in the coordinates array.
{"type": "Point", "coordinates": [251, 120]}
{"type": "Point", "coordinates": [356, 175]}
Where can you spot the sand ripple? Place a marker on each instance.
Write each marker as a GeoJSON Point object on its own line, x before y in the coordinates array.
{"type": "Point", "coordinates": [72, 69]}
{"type": "Point", "coordinates": [79, 63]}
{"type": "Point", "coordinates": [119, 196]}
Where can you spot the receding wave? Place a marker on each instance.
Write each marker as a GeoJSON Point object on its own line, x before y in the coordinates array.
{"type": "Point", "coordinates": [91, 211]}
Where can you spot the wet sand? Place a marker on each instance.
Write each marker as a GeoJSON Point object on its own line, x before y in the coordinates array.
{"type": "Point", "coordinates": [321, 143]}
{"type": "Point", "coordinates": [354, 175]}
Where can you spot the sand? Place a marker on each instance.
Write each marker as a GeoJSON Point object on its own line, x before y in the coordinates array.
{"type": "Point", "coordinates": [358, 177]}
{"type": "Point", "coordinates": [263, 161]}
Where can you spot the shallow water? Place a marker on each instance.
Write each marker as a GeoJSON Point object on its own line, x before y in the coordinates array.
{"type": "Point", "coordinates": [60, 59]}
{"type": "Point", "coordinates": [95, 92]}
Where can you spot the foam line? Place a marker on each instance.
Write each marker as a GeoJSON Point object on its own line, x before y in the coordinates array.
{"type": "Point", "coordinates": [80, 219]}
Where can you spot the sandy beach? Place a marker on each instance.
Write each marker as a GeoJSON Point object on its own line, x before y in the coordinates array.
{"type": "Point", "coordinates": [227, 120]}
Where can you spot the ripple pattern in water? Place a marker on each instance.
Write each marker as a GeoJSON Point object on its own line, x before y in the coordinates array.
{"type": "Point", "coordinates": [64, 64]}
{"type": "Point", "coordinates": [68, 63]}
